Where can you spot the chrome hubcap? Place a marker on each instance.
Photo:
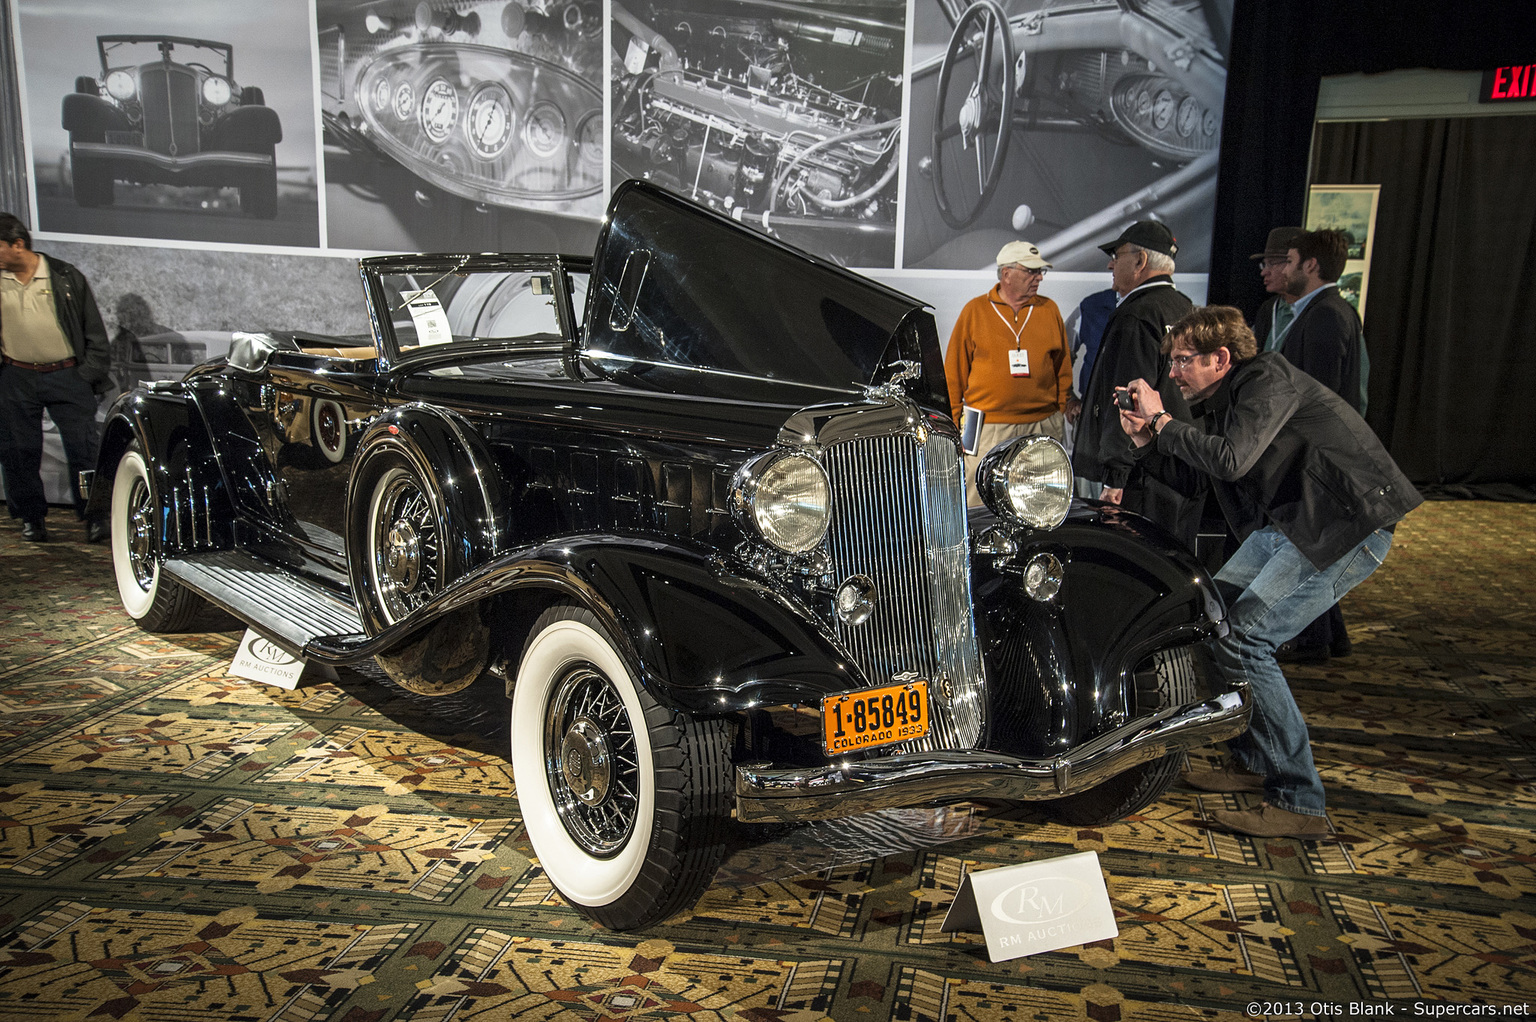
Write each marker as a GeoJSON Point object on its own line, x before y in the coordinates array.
{"type": "Point", "coordinates": [402, 556]}
{"type": "Point", "coordinates": [592, 761]}
{"type": "Point", "coordinates": [330, 427]}
{"type": "Point", "coordinates": [585, 762]}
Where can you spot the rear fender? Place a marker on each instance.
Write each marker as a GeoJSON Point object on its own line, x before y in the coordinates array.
{"type": "Point", "coordinates": [195, 507]}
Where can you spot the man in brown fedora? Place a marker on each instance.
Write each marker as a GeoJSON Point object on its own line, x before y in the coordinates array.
{"type": "Point", "coordinates": [1274, 317]}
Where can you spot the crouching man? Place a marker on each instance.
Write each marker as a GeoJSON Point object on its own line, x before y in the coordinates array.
{"type": "Point", "coordinates": [1312, 495]}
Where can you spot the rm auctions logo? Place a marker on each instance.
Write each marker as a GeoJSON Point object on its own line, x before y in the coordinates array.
{"type": "Point", "coordinates": [1042, 900]}
{"type": "Point", "coordinates": [269, 653]}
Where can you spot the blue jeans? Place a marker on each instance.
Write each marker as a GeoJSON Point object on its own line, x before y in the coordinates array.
{"type": "Point", "coordinates": [1272, 593]}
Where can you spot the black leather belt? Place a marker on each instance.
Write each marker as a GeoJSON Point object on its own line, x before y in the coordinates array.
{"type": "Point", "coordinates": [39, 367]}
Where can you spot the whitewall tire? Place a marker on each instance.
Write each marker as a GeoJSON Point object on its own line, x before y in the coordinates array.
{"type": "Point", "coordinates": [626, 803]}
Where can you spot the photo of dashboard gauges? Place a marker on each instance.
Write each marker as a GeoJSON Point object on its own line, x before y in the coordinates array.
{"type": "Point", "coordinates": [453, 125]}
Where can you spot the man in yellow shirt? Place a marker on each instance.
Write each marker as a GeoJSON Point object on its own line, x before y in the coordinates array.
{"type": "Point", "coordinates": [53, 357]}
{"type": "Point", "coordinates": [1008, 357]}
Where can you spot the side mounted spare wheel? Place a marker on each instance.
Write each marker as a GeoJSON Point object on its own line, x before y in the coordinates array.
{"type": "Point", "coordinates": [157, 602]}
{"type": "Point", "coordinates": [626, 803]}
{"type": "Point", "coordinates": [401, 559]}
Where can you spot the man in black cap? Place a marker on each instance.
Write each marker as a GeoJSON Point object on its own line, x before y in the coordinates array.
{"type": "Point", "coordinates": [1141, 266]}
{"type": "Point", "coordinates": [1274, 317]}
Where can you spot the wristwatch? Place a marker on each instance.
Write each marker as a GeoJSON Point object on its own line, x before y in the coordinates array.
{"type": "Point", "coordinates": [1152, 422]}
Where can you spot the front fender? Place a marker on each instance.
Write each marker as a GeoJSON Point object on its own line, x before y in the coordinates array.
{"type": "Point", "coordinates": [90, 117]}
{"type": "Point", "coordinates": [698, 636]}
{"type": "Point", "coordinates": [1061, 672]}
{"type": "Point", "coordinates": [707, 639]}
{"type": "Point", "coordinates": [247, 129]}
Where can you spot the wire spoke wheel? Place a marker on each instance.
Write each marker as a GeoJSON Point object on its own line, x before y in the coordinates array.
{"type": "Point", "coordinates": [157, 602]}
{"type": "Point", "coordinates": [405, 544]}
{"type": "Point", "coordinates": [625, 802]}
{"type": "Point", "coordinates": [593, 767]}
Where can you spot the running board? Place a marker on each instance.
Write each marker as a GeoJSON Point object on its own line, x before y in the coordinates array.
{"type": "Point", "coordinates": [289, 610]}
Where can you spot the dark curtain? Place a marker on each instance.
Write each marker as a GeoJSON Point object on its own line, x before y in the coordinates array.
{"type": "Point", "coordinates": [1449, 313]}
{"type": "Point", "coordinates": [1279, 54]}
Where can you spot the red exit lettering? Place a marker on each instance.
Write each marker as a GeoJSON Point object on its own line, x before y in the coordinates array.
{"type": "Point", "coordinates": [1515, 81]}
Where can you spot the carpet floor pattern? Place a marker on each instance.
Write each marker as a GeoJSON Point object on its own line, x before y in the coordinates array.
{"type": "Point", "coordinates": [179, 845]}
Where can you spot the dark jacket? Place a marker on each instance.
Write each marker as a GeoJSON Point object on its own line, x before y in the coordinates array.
{"type": "Point", "coordinates": [1264, 319]}
{"type": "Point", "coordinates": [1279, 447]}
{"type": "Point", "coordinates": [1325, 343]}
{"type": "Point", "coordinates": [75, 307]}
{"type": "Point", "coordinates": [1132, 349]}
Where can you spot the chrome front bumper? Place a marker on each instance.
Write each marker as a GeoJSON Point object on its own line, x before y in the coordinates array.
{"type": "Point", "coordinates": [768, 795]}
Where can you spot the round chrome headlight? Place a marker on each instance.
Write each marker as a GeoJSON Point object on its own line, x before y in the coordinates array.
{"type": "Point", "coordinates": [120, 86]}
{"type": "Point", "coordinates": [1028, 479]}
{"type": "Point", "coordinates": [216, 91]}
{"type": "Point", "coordinates": [787, 498]}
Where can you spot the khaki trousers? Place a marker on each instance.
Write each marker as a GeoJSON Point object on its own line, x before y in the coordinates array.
{"type": "Point", "coordinates": [992, 434]}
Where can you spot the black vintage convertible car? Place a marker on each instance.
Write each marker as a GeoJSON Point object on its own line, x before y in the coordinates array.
{"type": "Point", "coordinates": [698, 500]}
{"type": "Point", "coordinates": [160, 114]}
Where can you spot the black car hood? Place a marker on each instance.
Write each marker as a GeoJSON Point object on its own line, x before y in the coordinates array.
{"type": "Point", "coordinates": [656, 401]}
{"type": "Point", "coordinates": [676, 285]}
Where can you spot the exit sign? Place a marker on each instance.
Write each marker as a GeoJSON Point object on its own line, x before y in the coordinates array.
{"type": "Point", "coordinates": [1518, 81]}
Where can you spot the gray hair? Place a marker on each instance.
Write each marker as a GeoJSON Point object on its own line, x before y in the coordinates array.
{"type": "Point", "coordinates": [1157, 262]}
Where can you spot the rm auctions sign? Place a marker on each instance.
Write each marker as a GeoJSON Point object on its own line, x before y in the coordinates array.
{"type": "Point", "coordinates": [1518, 81]}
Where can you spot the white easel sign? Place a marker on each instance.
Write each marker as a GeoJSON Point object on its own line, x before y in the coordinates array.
{"type": "Point", "coordinates": [260, 659]}
{"type": "Point", "coordinates": [1035, 906]}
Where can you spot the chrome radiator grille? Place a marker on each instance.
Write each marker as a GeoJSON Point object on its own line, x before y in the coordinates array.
{"type": "Point", "coordinates": [170, 110]}
{"type": "Point", "coordinates": [899, 518]}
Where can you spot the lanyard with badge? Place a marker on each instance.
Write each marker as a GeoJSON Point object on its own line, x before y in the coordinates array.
{"type": "Point", "coordinates": [1018, 358]}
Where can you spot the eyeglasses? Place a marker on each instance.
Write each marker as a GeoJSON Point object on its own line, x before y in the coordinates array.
{"type": "Point", "coordinates": [1181, 362]}
{"type": "Point", "coordinates": [1026, 270]}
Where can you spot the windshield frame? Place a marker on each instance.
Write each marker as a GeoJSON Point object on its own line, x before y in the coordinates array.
{"type": "Point", "coordinates": [393, 355]}
{"type": "Point", "coordinates": [106, 43]}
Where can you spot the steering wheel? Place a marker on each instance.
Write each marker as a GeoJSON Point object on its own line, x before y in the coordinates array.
{"type": "Point", "coordinates": [978, 112]}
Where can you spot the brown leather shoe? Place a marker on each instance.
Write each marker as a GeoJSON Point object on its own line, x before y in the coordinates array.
{"type": "Point", "coordinates": [1272, 821]}
{"type": "Point", "coordinates": [1228, 779]}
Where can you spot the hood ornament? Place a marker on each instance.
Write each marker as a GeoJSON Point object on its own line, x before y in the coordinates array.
{"type": "Point", "coordinates": [892, 389]}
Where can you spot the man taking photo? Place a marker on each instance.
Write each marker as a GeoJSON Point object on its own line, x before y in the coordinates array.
{"type": "Point", "coordinates": [1313, 497]}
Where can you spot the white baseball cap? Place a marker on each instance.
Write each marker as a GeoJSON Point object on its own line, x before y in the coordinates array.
{"type": "Point", "coordinates": [1023, 254]}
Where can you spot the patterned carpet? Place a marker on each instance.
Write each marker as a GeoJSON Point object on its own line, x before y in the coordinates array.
{"type": "Point", "coordinates": [182, 845]}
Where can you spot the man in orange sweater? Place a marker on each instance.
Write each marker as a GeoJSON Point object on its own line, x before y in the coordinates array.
{"type": "Point", "coordinates": [1008, 357]}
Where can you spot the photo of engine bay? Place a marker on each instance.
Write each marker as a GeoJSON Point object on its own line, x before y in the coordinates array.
{"type": "Point", "coordinates": [783, 114]}
{"type": "Point", "coordinates": [463, 126]}
{"type": "Point", "coordinates": [1060, 121]}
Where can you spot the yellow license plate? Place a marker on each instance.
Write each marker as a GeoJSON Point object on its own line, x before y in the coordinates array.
{"type": "Point", "coordinates": [874, 716]}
